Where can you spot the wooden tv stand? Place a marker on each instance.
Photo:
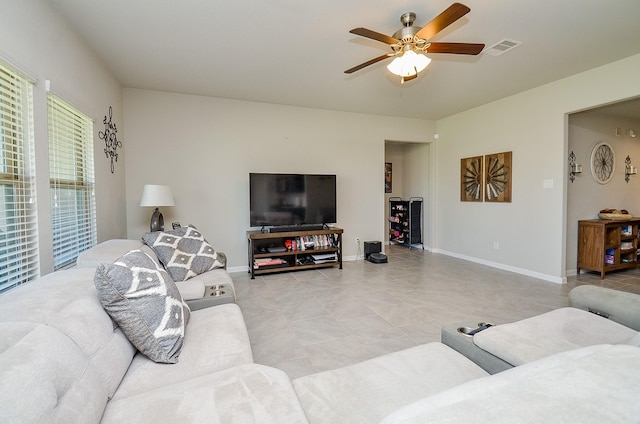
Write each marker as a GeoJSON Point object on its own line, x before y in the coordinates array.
{"type": "Point", "coordinates": [328, 241]}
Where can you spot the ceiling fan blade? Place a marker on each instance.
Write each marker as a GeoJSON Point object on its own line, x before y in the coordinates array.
{"type": "Point", "coordinates": [374, 35]}
{"type": "Point", "coordinates": [367, 63]}
{"type": "Point", "coordinates": [456, 48]}
{"type": "Point", "coordinates": [443, 20]}
{"type": "Point", "coordinates": [409, 78]}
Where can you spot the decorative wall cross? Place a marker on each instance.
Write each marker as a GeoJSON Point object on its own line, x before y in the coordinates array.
{"type": "Point", "coordinates": [110, 137]}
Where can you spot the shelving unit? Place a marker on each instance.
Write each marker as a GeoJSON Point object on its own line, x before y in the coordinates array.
{"type": "Point", "coordinates": [606, 246]}
{"type": "Point", "coordinates": [405, 221]}
{"type": "Point", "coordinates": [287, 248]}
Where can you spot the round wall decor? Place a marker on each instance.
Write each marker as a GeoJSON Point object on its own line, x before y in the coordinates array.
{"type": "Point", "coordinates": [603, 161]}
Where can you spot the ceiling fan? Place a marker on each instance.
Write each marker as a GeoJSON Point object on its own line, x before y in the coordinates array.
{"type": "Point", "coordinates": [409, 43]}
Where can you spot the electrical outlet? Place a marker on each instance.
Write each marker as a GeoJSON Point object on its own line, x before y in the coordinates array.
{"type": "Point", "coordinates": [496, 245]}
{"type": "Point", "coordinates": [358, 241]}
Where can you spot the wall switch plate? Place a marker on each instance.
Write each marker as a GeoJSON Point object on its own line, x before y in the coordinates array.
{"type": "Point", "coordinates": [547, 183]}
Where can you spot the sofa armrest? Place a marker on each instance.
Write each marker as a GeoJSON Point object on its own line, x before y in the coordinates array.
{"type": "Point", "coordinates": [223, 258]}
{"type": "Point", "coordinates": [621, 307]}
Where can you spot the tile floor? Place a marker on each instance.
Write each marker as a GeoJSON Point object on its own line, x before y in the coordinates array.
{"type": "Point", "coordinates": [309, 321]}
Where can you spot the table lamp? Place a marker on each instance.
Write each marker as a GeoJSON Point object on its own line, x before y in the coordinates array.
{"type": "Point", "coordinates": [156, 196]}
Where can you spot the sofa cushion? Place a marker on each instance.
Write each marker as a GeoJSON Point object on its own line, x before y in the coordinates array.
{"type": "Point", "coordinates": [68, 301]}
{"type": "Point", "coordinates": [191, 289]}
{"type": "Point", "coordinates": [634, 341]}
{"type": "Point", "coordinates": [553, 332]}
{"type": "Point", "coordinates": [46, 378]}
{"type": "Point", "coordinates": [151, 253]}
{"type": "Point", "coordinates": [249, 393]}
{"type": "Point", "coordinates": [144, 301]}
{"type": "Point", "coordinates": [216, 339]}
{"type": "Point", "coordinates": [596, 384]}
{"type": "Point", "coordinates": [368, 391]}
{"type": "Point", "coordinates": [184, 252]}
{"type": "Point", "coordinates": [106, 252]}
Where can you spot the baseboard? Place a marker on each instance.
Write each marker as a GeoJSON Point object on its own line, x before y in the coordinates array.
{"type": "Point", "coordinates": [232, 269]}
{"type": "Point", "coordinates": [522, 271]}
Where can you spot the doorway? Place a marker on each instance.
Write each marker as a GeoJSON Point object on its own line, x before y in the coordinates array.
{"type": "Point", "coordinates": [411, 170]}
{"type": "Point", "coordinates": [618, 125]}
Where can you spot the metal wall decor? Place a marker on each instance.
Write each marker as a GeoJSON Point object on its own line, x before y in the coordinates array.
{"type": "Point", "coordinates": [629, 169]}
{"type": "Point", "coordinates": [498, 177]}
{"type": "Point", "coordinates": [111, 142]}
{"type": "Point", "coordinates": [574, 167]}
{"type": "Point", "coordinates": [486, 178]}
{"type": "Point", "coordinates": [471, 186]}
{"type": "Point", "coordinates": [603, 162]}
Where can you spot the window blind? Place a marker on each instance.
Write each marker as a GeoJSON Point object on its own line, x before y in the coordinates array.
{"type": "Point", "coordinates": [18, 224]}
{"type": "Point", "coordinates": [71, 181]}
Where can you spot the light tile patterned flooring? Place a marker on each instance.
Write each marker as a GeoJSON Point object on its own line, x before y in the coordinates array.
{"type": "Point", "coordinates": [310, 321]}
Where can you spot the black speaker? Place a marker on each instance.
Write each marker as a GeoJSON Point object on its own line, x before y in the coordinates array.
{"type": "Point", "coordinates": [371, 247]}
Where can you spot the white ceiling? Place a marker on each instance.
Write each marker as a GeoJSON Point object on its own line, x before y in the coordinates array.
{"type": "Point", "coordinates": [294, 52]}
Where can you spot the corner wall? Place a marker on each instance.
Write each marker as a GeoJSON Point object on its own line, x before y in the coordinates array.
{"type": "Point", "coordinates": [531, 230]}
{"type": "Point", "coordinates": [39, 43]}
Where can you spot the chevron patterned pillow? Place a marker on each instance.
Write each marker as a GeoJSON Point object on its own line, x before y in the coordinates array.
{"type": "Point", "coordinates": [144, 301]}
{"type": "Point", "coordinates": [184, 252]}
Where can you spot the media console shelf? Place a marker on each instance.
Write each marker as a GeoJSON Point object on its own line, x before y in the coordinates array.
{"type": "Point", "coordinates": [293, 250]}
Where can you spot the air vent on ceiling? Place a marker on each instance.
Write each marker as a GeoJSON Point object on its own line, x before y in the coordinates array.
{"type": "Point", "coordinates": [502, 47]}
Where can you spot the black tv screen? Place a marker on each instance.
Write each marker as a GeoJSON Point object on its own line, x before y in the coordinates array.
{"type": "Point", "coordinates": [292, 199]}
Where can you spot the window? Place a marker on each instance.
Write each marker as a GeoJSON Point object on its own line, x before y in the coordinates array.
{"type": "Point", "coordinates": [72, 182]}
{"type": "Point", "coordinates": [18, 225]}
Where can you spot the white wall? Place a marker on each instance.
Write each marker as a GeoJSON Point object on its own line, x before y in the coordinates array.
{"type": "Point", "coordinates": [218, 142]}
{"type": "Point", "coordinates": [204, 148]}
{"type": "Point", "coordinates": [38, 42]}
{"type": "Point", "coordinates": [585, 196]}
{"type": "Point", "coordinates": [531, 230]}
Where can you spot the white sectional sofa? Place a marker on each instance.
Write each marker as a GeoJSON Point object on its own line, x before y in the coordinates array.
{"type": "Point", "coordinates": [595, 315]}
{"type": "Point", "coordinates": [64, 360]}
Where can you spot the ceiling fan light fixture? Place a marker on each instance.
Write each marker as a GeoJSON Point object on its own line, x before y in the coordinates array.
{"type": "Point", "coordinates": [409, 64]}
{"type": "Point", "coordinates": [409, 43]}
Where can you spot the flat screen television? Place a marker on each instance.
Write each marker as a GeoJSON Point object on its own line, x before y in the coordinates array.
{"type": "Point", "coordinates": [291, 199]}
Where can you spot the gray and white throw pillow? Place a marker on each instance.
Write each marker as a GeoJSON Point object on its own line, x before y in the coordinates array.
{"type": "Point", "coordinates": [184, 252]}
{"type": "Point", "coordinates": [144, 301]}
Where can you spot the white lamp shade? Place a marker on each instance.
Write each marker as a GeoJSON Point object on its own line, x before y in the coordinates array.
{"type": "Point", "coordinates": [408, 64]}
{"type": "Point", "coordinates": [156, 195]}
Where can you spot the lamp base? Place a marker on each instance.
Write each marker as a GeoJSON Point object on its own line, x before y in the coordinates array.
{"type": "Point", "coordinates": [157, 221]}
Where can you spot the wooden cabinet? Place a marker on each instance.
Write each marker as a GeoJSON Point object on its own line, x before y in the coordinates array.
{"type": "Point", "coordinates": [606, 246]}
{"type": "Point", "coordinates": [294, 250]}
